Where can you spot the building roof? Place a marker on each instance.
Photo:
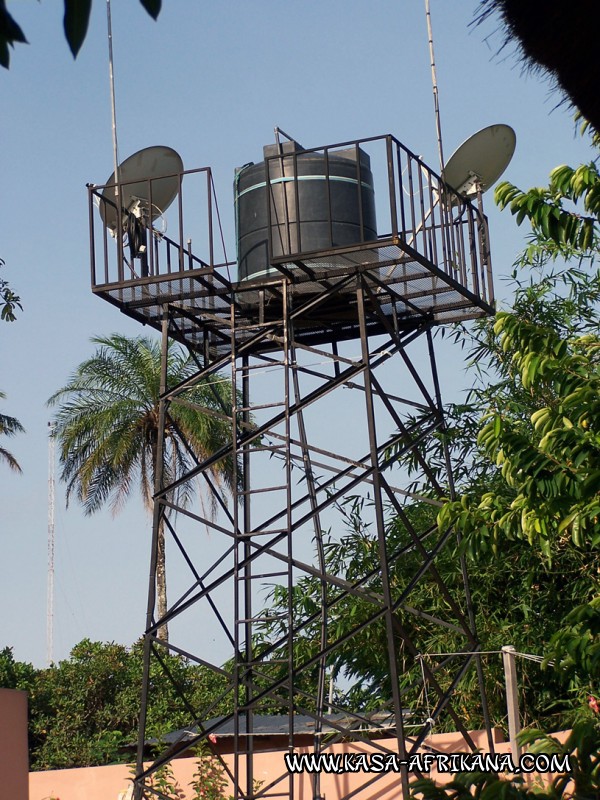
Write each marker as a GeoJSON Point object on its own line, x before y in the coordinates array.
{"type": "Point", "coordinates": [278, 725]}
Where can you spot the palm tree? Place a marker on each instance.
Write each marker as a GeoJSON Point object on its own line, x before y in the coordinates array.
{"type": "Point", "coordinates": [8, 427]}
{"type": "Point", "coordinates": [107, 429]}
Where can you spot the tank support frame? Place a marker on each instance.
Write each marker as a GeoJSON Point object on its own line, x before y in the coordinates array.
{"type": "Point", "coordinates": [282, 660]}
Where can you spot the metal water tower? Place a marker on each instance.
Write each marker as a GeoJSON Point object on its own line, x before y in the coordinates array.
{"type": "Point", "coordinates": [349, 256]}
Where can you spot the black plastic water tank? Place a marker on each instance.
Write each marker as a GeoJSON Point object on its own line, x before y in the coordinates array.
{"type": "Point", "coordinates": [329, 189]}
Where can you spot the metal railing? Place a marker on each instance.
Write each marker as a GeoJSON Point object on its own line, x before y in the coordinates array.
{"type": "Point", "coordinates": [419, 219]}
{"type": "Point", "coordinates": [416, 211]}
{"type": "Point", "coordinates": [135, 249]}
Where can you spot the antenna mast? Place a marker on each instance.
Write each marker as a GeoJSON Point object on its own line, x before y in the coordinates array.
{"type": "Point", "coordinates": [112, 98]}
{"type": "Point", "coordinates": [50, 590]}
{"type": "Point", "coordinates": [436, 99]}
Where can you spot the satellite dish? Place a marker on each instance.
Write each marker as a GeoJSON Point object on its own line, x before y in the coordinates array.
{"type": "Point", "coordinates": [480, 160]}
{"type": "Point", "coordinates": [140, 176]}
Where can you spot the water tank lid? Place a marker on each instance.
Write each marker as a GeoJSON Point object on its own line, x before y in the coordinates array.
{"type": "Point", "coordinates": [284, 148]}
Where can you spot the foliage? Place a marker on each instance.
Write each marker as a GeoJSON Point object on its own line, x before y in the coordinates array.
{"type": "Point", "coordinates": [107, 426]}
{"type": "Point", "coordinates": [75, 22]}
{"type": "Point", "coordinates": [545, 441]}
{"type": "Point", "coordinates": [525, 449]}
{"type": "Point", "coordinates": [528, 458]}
{"type": "Point", "coordinates": [581, 782]}
{"type": "Point", "coordinates": [164, 781]}
{"type": "Point", "coordinates": [515, 602]}
{"type": "Point", "coordinates": [9, 301]}
{"type": "Point", "coordinates": [84, 711]}
{"type": "Point", "coordinates": [539, 438]}
{"type": "Point", "coordinates": [209, 779]}
{"type": "Point", "coordinates": [15, 674]}
{"type": "Point", "coordinates": [551, 210]}
{"type": "Point", "coordinates": [516, 487]}
{"type": "Point", "coordinates": [107, 422]}
{"type": "Point", "coordinates": [9, 426]}
{"type": "Point", "coordinates": [576, 646]}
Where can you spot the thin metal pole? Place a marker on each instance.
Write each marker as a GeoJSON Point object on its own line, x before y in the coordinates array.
{"type": "Point", "coordinates": [156, 523]}
{"type": "Point", "coordinates": [112, 100]}
{"type": "Point", "coordinates": [247, 583]}
{"type": "Point", "coordinates": [287, 356]}
{"type": "Point", "coordinates": [512, 699]}
{"type": "Point", "coordinates": [380, 525]}
{"type": "Point", "coordinates": [238, 574]}
{"type": "Point", "coordinates": [436, 99]}
{"type": "Point", "coordinates": [314, 504]}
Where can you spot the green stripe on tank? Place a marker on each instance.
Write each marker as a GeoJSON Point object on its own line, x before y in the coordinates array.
{"type": "Point", "coordinates": [287, 179]}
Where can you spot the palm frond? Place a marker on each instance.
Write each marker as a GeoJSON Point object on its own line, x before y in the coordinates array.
{"type": "Point", "coordinates": [10, 460]}
{"type": "Point", "coordinates": [9, 426]}
{"type": "Point", "coordinates": [107, 424]}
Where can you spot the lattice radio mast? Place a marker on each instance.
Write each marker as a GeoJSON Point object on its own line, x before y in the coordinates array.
{"type": "Point", "coordinates": [50, 588]}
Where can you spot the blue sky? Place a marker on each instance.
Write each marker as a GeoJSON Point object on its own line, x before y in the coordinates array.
{"type": "Point", "coordinates": [210, 80]}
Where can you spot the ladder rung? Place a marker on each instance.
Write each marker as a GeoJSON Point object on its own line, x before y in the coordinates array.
{"type": "Point", "coordinates": [265, 489]}
{"type": "Point", "coordinates": [270, 618]}
{"type": "Point", "coordinates": [270, 532]}
{"type": "Point", "coordinates": [260, 406]}
{"type": "Point", "coordinates": [262, 365]}
{"type": "Point", "coordinates": [268, 575]}
{"type": "Point", "coordinates": [265, 448]}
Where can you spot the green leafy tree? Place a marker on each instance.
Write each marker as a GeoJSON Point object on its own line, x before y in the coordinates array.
{"type": "Point", "coordinates": [547, 451]}
{"type": "Point", "coordinates": [9, 426]}
{"type": "Point", "coordinates": [515, 601]}
{"type": "Point", "coordinates": [525, 450]}
{"type": "Point", "coordinates": [107, 428]}
{"type": "Point", "coordinates": [75, 21]}
{"type": "Point", "coordinates": [538, 436]}
{"type": "Point", "coordinates": [15, 674]}
{"type": "Point", "coordinates": [580, 782]}
{"type": "Point", "coordinates": [528, 481]}
{"type": "Point", "coordinates": [553, 211]}
{"type": "Point", "coordinates": [526, 445]}
{"type": "Point", "coordinates": [84, 711]}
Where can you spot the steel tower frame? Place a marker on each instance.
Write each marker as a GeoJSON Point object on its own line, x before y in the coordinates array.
{"type": "Point", "coordinates": [383, 298]}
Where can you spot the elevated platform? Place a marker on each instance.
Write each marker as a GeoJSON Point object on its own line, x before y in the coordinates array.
{"type": "Point", "coordinates": [432, 265]}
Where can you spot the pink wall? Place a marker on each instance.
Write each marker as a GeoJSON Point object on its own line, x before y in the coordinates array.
{"type": "Point", "coordinates": [107, 783]}
{"type": "Point", "coordinates": [14, 759]}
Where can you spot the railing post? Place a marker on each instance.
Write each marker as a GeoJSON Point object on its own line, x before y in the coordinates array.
{"type": "Point", "coordinates": [210, 187]}
{"type": "Point", "coordinates": [92, 237]}
{"type": "Point", "coordinates": [392, 186]}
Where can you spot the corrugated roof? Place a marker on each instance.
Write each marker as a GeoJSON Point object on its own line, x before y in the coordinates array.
{"type": "Point", "coordinates": [278, 725]}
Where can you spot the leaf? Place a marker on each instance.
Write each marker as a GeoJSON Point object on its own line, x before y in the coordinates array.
{"type": "Point", "coordinates": [152, 7]}
{"type": "Point", "coordinates": [567, 521]}
{"type": "Point", "coordinates": [10, 32]}
{"type": "Point", "coordinates": [76, 20]}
